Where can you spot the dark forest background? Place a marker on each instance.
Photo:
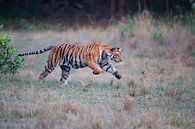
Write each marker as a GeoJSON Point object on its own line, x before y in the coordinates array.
{"type": "Point", "coordinates": [90, 9]}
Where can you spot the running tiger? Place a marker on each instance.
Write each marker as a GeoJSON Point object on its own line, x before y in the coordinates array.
{"type": "Point", "coordinates": [67, 56]}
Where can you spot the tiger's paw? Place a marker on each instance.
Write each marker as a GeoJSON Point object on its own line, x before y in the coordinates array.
{"type": "Point", "coordinates": [63, 81]}
{"type": "Point", "coordinates": [40, 81]}
{"type": "Point", "coordinates": [117, 75]}
{"type": "Point", "coordinates": [97, 72]}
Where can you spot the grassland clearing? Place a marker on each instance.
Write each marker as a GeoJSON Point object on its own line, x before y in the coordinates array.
{"type": "Point", "coordinates": [157, 89]}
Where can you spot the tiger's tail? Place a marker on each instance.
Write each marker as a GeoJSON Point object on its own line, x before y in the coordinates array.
{"type": "Point", "coordinates": [36, 52]}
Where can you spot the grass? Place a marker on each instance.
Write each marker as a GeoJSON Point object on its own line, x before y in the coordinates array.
{"type": "Point", "coordinates": [156, 91]}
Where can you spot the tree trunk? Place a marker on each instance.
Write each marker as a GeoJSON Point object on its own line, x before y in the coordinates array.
{"type": "Point", "coordinates": [150, 5]}
{"type": "Point", "coordinates": [139, 6]}
{"type": "Point", "coordinates": [167, 7]}
{"type": "Point", "coordinates": [112, 7]}
{"type": "Point", "coordinates": [121, 7]}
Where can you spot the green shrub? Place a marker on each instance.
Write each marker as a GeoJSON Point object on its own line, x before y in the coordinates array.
{"type": "Point", "coordinates": [26, 25]}
{"type": "Point", "coordinates": [1, 26]}
{"type": "Point", "coordinates": [192, 3]}
{"type": "Point", "coordinates": [9, 61]}
{"type": "Point", "coordinates": [157, 36]}
{"type": "Point", "coordinates": [127, 30]}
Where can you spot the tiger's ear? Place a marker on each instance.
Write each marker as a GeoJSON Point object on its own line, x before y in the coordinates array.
{"type": "Point", "coordinates": [113, 49]}
{"type": "Point", "coordinates": [119, 49]}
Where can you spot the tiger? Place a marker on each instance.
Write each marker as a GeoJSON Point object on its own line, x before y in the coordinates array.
{"type": "Point", "coordinates": [96, 56]}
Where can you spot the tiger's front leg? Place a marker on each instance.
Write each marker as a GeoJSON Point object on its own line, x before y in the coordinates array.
{"type": "Point", "coordinates": [96, 69]}
{"type": "Point", "coordinates": [108, 67]}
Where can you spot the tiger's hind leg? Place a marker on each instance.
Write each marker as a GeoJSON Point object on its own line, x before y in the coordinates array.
{"type": "Point", "coordinates": [65, 72]}
{"type": "Point", "coordinates": [45, 72]}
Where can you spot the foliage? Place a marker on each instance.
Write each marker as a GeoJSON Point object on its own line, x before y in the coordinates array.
{"type": "Point", "coordinates": [192, 4]}
{"type": "Point", "coordinates": [191, 49]}
{"type": "Point", "coordinates": [127, 30]}
{"type": "Point", "coordinates": [157, 36]}
{"type": "Point", "coordinates": [1, 26]}
{"type": "Point", "coordinates": [90, 8]}
{"type": "Point", "coordinates": [9, 63]}
{"type": "Point", "coordinates": [27, 25]}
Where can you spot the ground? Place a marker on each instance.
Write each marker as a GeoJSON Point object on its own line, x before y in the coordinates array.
{"type": "Point", "coordinates": [156, 91]}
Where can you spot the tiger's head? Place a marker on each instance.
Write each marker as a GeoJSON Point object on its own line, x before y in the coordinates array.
{"type": "Point", "coordinates": [110, 52]}
{"type": "Point", "coordinates": [115, 55]}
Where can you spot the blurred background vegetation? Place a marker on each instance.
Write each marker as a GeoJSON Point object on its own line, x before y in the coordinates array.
{"type": "Point", "coordinates": [85, 9]}
{"type": "Point", "coordinates": [24, 14]}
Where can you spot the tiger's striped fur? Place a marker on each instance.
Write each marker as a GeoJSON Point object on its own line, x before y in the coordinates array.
{"type": "Point", "coordinates": [67, 56]}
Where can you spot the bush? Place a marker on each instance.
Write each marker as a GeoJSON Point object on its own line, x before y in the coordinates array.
{"type": "Point", "coordinates": [127, 30]}
{"type": "Point", "coordinates": [9, 61]}
{"type": "Point", "coordinates": [157, 36]}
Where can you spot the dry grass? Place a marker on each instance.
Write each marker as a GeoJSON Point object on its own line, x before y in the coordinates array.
{"type": "Point", "coordinates": [156, 91]}
{"type": "Point", "coordinates": [149, 120]}
{"type": "Point", "coordinates": [128, 104]}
